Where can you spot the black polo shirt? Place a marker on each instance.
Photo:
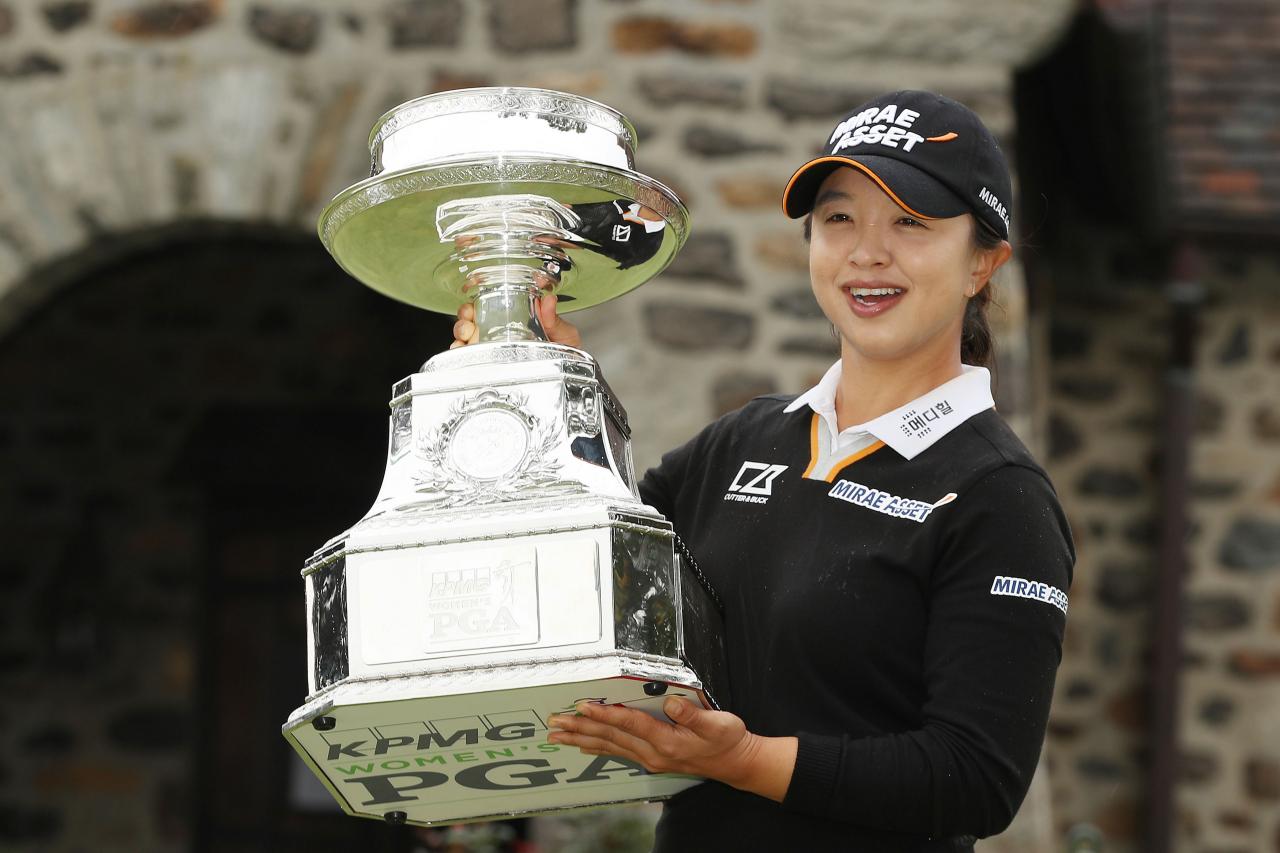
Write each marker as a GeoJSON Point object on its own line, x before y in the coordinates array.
{"type": "Point", "coordinates": [903, 617]}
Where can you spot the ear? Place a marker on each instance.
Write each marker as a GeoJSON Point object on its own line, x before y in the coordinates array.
{"type": "Point", "coordinates": [986, 262]}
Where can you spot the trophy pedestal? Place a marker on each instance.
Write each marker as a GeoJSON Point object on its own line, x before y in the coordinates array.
{"type": "Point", "coordinates": [506, 571]}
{"type": "Point", "coordinates": [479, 755]}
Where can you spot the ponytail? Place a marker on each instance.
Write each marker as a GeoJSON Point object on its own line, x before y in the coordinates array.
{"type": "Point", "coordinates": [977, 344]}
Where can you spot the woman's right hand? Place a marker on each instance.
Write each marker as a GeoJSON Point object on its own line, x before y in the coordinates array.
{"type": "Point", "coordinates": [558, 331]}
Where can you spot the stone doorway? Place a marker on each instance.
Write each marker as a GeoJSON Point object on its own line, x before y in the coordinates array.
{"type": "Point", "coordinates": [252, 792]}
{"type": "Point", "coordinates": [183, 423]}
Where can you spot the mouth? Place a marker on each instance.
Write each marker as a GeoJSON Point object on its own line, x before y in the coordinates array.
{"type": "Point", "coordinates": [871, 301]}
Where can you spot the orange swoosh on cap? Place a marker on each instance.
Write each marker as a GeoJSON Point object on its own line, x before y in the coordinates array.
{"type": "Point", "coordinates": [946, 137]}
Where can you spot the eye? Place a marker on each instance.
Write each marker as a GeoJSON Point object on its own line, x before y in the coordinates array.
{"type": "Point", "coordinates": [910, 220]}
{"type": "Point", "coordinates": [837, 217]}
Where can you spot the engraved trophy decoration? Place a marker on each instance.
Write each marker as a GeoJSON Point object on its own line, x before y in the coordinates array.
{"type": "Point", "coordinates": [507, 569]}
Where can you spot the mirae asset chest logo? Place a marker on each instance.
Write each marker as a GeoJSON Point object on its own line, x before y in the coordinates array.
{"type": "Point", "coordinates": [883, 502]}
{"type": "Point", "coordinates": [754, 483]}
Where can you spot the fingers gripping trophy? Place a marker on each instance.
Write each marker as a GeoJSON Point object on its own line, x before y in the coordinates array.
{"type": "Point", "coordinates": [507, 569]}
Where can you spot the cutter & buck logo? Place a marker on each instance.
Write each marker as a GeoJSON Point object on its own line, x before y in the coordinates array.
{"type": "Point", "coordinates": [754, 482]}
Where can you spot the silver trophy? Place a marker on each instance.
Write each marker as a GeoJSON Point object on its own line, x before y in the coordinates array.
{"type": "Point", "coordinates": [507, 569]}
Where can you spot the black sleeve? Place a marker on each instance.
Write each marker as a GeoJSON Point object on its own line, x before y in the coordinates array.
{"type": "Point", "coordinates": [993, 644]}
{"type": "Point", "coordinates": [661, 486]}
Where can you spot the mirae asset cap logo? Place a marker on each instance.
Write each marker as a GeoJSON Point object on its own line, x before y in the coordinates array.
{"type": "Point", "coordinates": [881, 126]}
{"type": "Point", "coordinates": [994, 203]}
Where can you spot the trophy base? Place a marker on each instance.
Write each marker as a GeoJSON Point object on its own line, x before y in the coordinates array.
{"type": "Point", "coordinates": [471, 745]}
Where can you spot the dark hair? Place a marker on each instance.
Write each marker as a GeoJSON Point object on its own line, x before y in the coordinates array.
{"type": "Point", "coordinates": [977, 344]}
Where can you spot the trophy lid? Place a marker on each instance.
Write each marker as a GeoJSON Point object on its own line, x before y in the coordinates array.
{"type": "Point", "coordinates": [466, 124]}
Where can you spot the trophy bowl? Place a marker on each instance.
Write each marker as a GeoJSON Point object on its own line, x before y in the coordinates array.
{"type": "Point", "coordinates": [507, 568]}
{"type": "Point", "coordinates": [477, 186]}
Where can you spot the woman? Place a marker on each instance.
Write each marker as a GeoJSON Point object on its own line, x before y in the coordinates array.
{"type": "Point", "coordinates": [895, 588]}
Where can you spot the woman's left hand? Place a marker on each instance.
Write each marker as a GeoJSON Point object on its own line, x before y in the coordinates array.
{"type": "Point", "coordinates": [712, 744]}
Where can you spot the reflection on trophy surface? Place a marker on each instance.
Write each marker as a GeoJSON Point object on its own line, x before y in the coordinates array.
{"type": "Point", "coordinates": [507, 568]}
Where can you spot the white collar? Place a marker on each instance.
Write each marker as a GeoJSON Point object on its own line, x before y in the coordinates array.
{"type": "Point", "coordinates": [912, 428]}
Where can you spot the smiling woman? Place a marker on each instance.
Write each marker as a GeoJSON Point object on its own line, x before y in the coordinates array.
{"type": "Point", "coordinates": [976, 345]}
{"type": "Point", "coordinates": [895, 591]}
{"type": "Point", "coordinates": [894, 285]}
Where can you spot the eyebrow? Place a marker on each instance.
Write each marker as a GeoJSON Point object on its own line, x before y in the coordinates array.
{"type": "Point", "coordinates": [830, 195]}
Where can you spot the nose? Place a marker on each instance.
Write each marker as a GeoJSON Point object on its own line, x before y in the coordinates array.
{"type": "Point", "coordinates": [868, 248]}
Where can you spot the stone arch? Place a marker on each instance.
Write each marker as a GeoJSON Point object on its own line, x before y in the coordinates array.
{"type": "Point", "coordinates": [181, 427]}
{"type": "Point", "coordinates": [143, 145]}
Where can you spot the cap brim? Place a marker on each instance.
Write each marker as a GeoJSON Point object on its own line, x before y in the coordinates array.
{"type": "Point", "coordinates": [915, 191]}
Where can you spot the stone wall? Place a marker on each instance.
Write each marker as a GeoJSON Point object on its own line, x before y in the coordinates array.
{"type": "Point", "coordinates": [1229, 793]}
{"type": "Point", "coordinates": [1110, 344]}
{"type": "Point", "coordinates": [120, 117]}
{"type": "Point", "coordinates": [125, 123]}
{"type": "Point", "coordinates": [1108, 350]}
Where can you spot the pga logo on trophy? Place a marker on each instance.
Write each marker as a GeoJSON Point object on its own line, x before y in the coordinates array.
{"type": "Point", "coordinates": [507, 568]}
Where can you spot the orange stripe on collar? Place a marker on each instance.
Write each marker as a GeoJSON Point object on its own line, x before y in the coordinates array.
{"type": "Point", "coordinates": [813, 445]}
{"type": "Point", "coordinates": [847, 461]}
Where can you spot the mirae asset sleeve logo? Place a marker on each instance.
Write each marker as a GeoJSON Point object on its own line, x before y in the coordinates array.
{"type": "Point", "coordinates": [1023, 588]}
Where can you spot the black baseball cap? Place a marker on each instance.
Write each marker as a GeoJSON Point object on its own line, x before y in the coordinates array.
{"type": "Point", "coordinates": [932, 155]}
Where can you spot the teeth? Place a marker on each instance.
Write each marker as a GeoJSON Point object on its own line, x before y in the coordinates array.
{"type": "Point", "coordinates": [875, 291]}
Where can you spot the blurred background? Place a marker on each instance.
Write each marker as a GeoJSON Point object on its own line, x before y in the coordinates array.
{"type": "Point", "coordinates": [193, 395]}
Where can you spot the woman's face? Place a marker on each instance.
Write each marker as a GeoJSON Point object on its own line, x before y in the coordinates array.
{"type": "Point", "coordinates": [861, 241]}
